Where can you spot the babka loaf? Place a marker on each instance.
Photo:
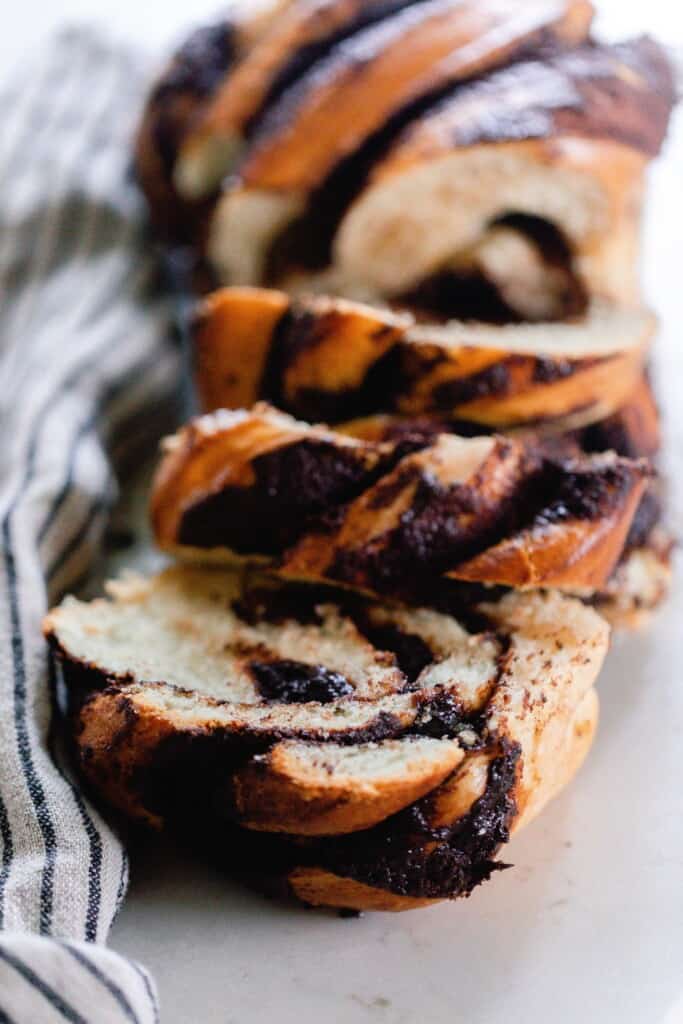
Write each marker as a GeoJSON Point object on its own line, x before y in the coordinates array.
{"type": "Point", "coordinates": [426, 450]}
{"type": "Point", "coordinates": [389, 752]}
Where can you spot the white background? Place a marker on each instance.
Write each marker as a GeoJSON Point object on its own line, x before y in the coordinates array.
{"type": "Point", "coordinates": [157, 23]}
{"type": "Point", "coordinates": [589, 925]}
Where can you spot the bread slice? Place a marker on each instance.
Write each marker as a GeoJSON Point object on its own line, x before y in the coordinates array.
{"type": "Point", "coordinates": [562, 140]}
{"type": "Point", "coordinates": [391, 517]}
{"type": "Point", "coordinates": [343, 100]}
{"type": "Point", "coordinates": [571, 154]}
{"type": "Point", "coordinates": [332, 359]}
{"type": "Point", "coordinates": [412, 738]}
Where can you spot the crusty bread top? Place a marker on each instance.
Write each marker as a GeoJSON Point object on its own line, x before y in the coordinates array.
{"type": "Point", "coordinates": [392, 516]}
{"type": "Point", "coordinates": [326, 358]}
{"type": "Point", "coordinates": [300, 35]}
{"type": "Point", "coordinates": [561, 136]}
{"type": "Point", "coordinates": [355, 65]}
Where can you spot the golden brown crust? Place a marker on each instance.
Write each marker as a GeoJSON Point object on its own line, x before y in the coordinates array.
{"type": "Point", "coordinates": [319, 888]}
{"type": "Point", "coordinates": [379, 516]}
{"type": "Point", "coordinates": [594, 388]}
{"type": "Point", "coordinates": [280, 793]}
{"type": "Point", "coordinates": [621, 93]}
{"type": "Point", "coordinates": [556, 555]}
{"type": "Point", "coordinates": [233, 336]}
{"type": "Point", "coordinates": [406, 56]}
{"type": "Point", "coordinates": [328, 359]}
{"type": "Point", "coordinates": [299, 35]}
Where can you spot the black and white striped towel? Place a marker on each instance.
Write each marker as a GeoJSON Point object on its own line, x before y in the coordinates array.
{"type": "Point", "coordinates": [85, 364]}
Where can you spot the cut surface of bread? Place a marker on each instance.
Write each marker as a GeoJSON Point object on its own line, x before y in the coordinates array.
{"type": "Point", "coordinates": [569, 140]}
{"type": "Point", "coordinates": [388, 517]}
{"type": "Point", "coordinates": [330, 359]}
{"type": "Point", "coordinates": [416, 740]}
{"type": "Point", "coordinates": [562, 139]}
{"type": "Point", "coordinates": [332, 111]}
{"type": "Point", "coordinates": [588, 191]}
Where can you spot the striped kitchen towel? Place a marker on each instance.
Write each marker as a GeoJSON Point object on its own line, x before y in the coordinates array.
{"type": "Point", "coordinates": [87, 368]}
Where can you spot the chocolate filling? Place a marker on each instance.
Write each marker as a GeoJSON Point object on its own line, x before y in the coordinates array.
{"type": "Point", "coordinates": [398, 855]}
{"type": "Point", "coordinates": [583, 493]}
{"type": "Point", "coordinates": [403, 855]}
{"type": "Point", "coordinates": [468, 294]}
{"type": "Point", "coordinates": [440, 717]}
{"type": "Point", "coordinates": [412, 653]}
{"type": "Point", "coordinates": [294, 682]}
{"type": "Point", "coordinates": [452, 295]}
{"type": "Point", "coordinates": [298, 331]}
{"type": "Point", "coordinates": [303, 59]}
{"type": "Point", "coordinates": [291, 484]}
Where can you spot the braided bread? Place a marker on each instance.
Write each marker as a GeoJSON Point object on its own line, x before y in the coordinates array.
{"type": "Point", "coordinates": [397, 669]}
{"type": "Point", "coordinates": [417, 741]}
{"type": "Point", "coordinates": [383, 517]}
{"type": "Point", "coordinates": [331, 359]}
{"type": "Point", "coordinates": [330, 73]}
{"type": "Point", "coordinates": [559, 144]}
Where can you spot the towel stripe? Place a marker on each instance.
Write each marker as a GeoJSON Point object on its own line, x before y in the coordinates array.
{"type": "Point", "coordinates": [92, 914]}
{"type": "Point", "coordinates": [115, 990]}
{"type": "Point", "coordinates": [87, 372]}
{"type": "Point", "coordinates": [33, 781]}
{"type": "Point", "coordinates": [7, 854]}
{"type": "Point", "coordinates": [46, 991]}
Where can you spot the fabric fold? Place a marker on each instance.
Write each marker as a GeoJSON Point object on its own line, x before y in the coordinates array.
{"type": "Point", "coordinates": [88, 376]}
